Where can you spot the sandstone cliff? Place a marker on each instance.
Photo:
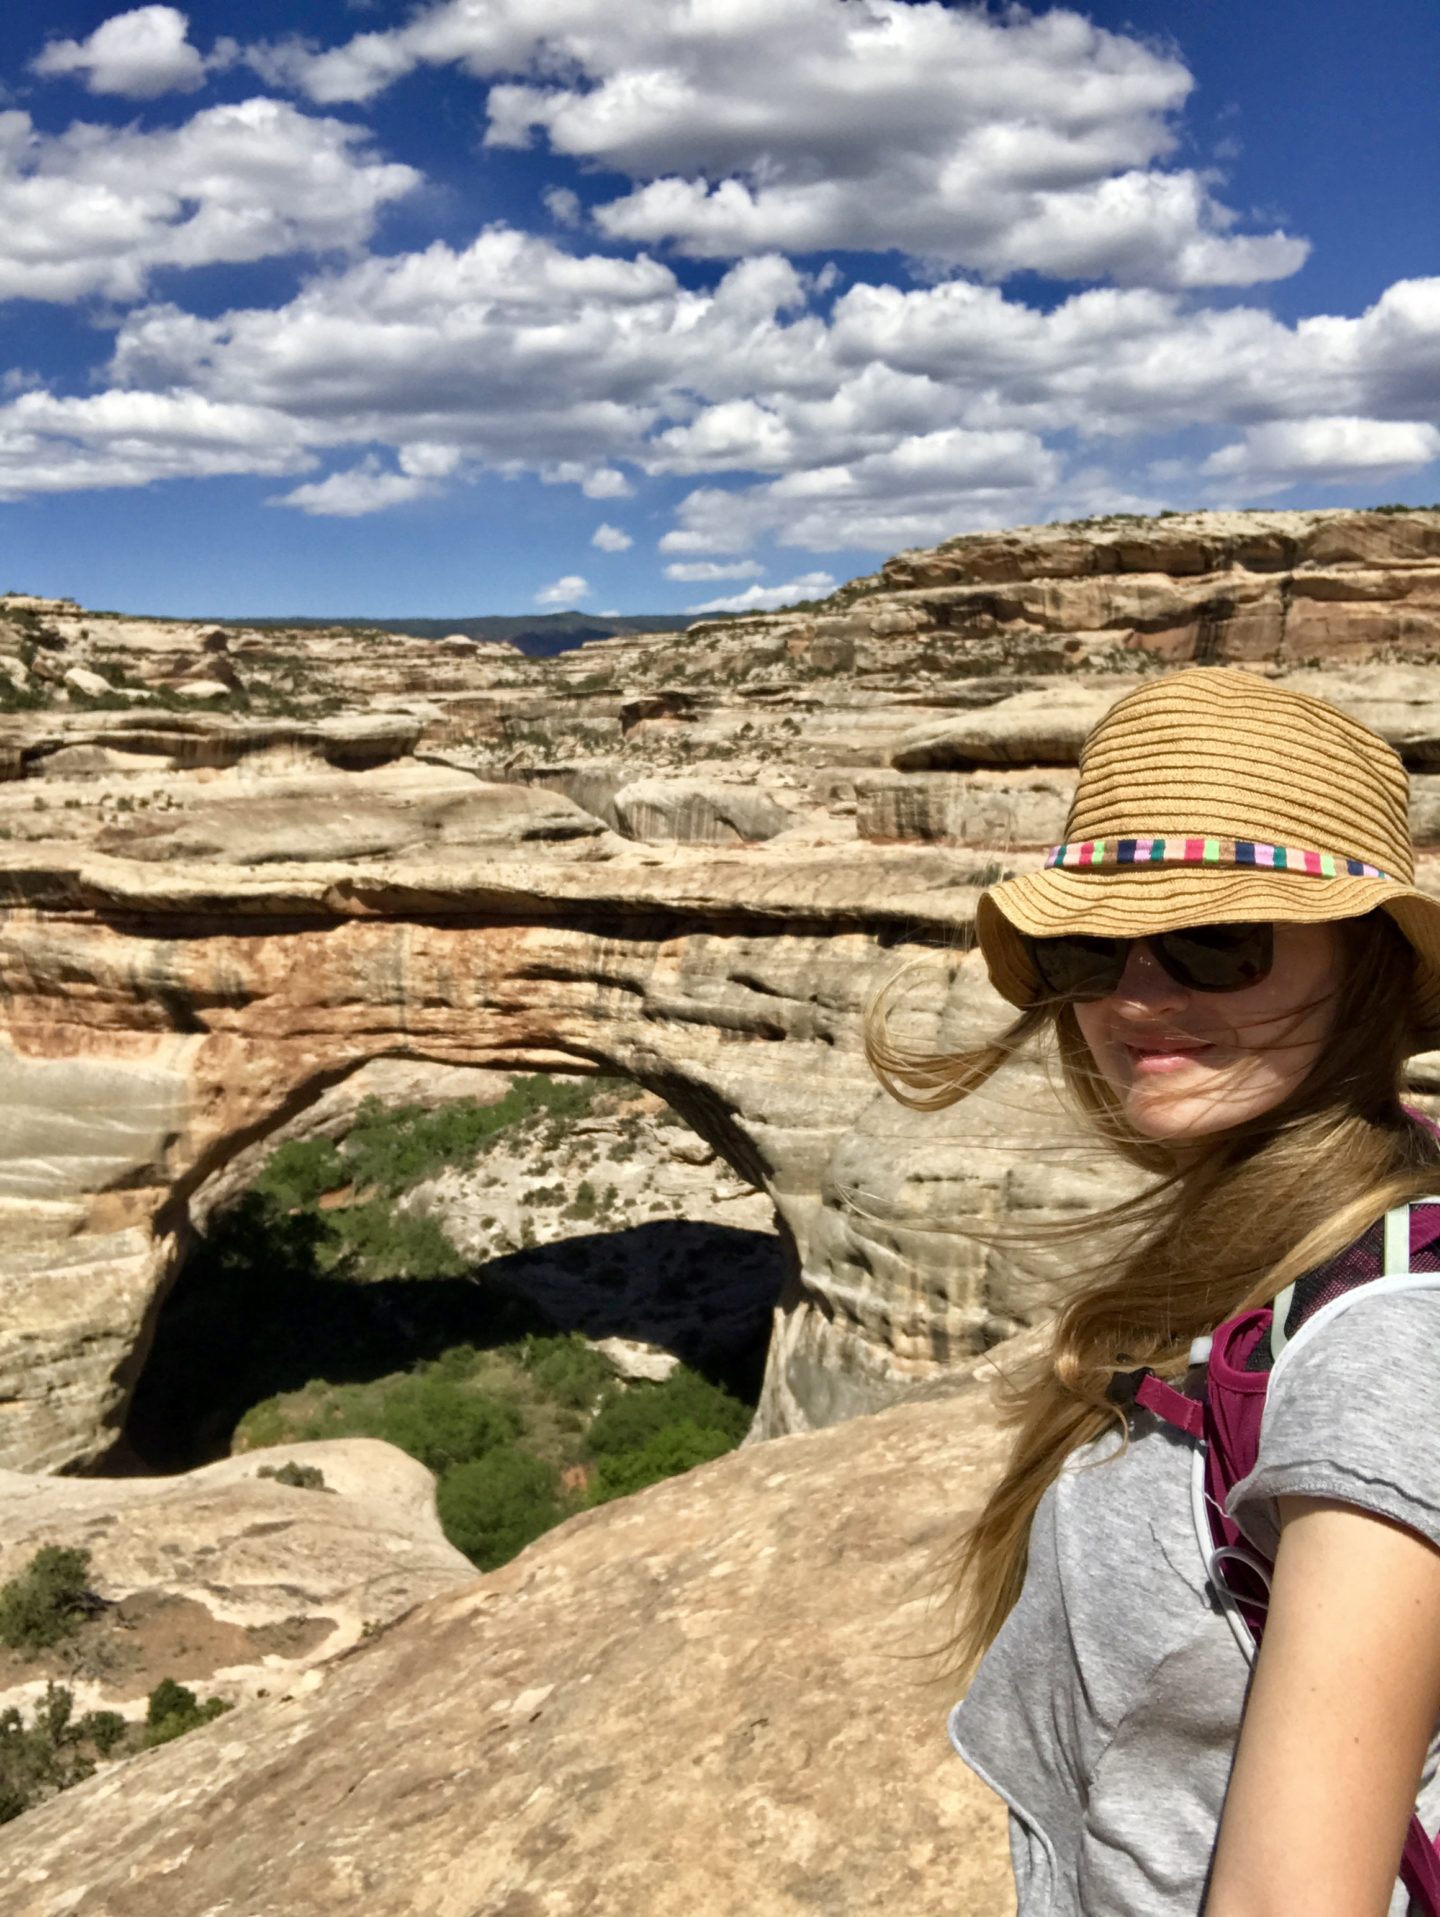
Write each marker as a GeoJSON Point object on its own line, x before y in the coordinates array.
{"type": "Point", "coordinates": [237, 866]}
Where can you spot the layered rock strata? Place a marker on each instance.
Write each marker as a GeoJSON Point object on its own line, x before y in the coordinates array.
{"type": "Point", "coordinates": [685, 858]}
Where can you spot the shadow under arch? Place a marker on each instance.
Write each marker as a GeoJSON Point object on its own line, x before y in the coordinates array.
{"type": "Point", "coordinates": [249, 1312]}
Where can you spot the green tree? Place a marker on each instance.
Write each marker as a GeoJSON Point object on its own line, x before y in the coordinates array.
{"type": "Point", "coordinates": [53, 1751]}
{"type": "Point", "coordinates": [444, 1424]}
{"type": "Point", "coordinates": [302, 1170]}
{"type": "Point", "coordinates": [570, 1371]}
{"type": "Point", "coordinates": [631, 1419]}
{"type": "Point", "coordinates": [496, 1505]}
{"type": "Point", "coordinates": [48, 1601]}
{"type": "Point", "coordinates": [664, 1455]}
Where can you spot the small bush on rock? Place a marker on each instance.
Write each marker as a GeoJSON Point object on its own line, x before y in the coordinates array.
{"type": "Point", "coordinates": [300, 1477]}
{"type": "Point", "coordinates": [304, 1169]}
{"type": "Point", "coordinates": [49, 1600]}
{"type": "Point", "coordinates": [375, 1241]}
{"type": "Point", "coordinates": [172, 1710]}
{"type": "Point", "coordinates": [53, 1751]}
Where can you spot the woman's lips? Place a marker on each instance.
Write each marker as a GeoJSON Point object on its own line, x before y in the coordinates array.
{"type": "Point", "coordinates": [1165, 1054]}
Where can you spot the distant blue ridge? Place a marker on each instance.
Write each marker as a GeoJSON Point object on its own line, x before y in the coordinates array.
{"type": "Point", "coordinates": [538, 635]}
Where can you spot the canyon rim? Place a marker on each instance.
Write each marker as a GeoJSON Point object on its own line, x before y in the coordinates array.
{"type": "Point", "coordinates": [241, 868]}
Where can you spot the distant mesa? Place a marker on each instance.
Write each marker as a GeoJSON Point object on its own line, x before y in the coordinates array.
{"type": "Point", "coordinates": [537, 635]}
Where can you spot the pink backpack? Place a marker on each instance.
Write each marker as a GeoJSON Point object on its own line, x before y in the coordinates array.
{"type": "Point", "coordinates": [1226, 1423]}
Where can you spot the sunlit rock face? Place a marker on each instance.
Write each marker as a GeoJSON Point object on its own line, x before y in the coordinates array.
{"type": "Point", "coordinates": [227, 1578]}
{"type": "Point", "coordinates": [716, 1695]}
{"type": "Point", "coordinates": [157, 1030]}
{"type": "Point", "coordinates": [685, 858]}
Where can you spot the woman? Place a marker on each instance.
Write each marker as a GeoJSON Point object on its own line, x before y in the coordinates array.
{"type": "Point", "coordinates": [1234, 964]}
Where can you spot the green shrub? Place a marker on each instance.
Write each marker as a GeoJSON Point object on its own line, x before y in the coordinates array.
{"type": "Point", "coordinates": [584, 1203]}
{"type": "Point", "coordinates": [376, 1242]}
{"type": "Point", "coordinates": [630, 1420]}
{"type": "Point", "coordinates": [172, 1710]}
{"type": "Point", "coordinates": [391, 1148]}
{"type": "Point", "coordinates": [300, 1477]}
{"type": "Point", "coordinates": [677, 1448]}
{"type": "Point", "coordinates": [55, 1750]}
{"type": "Point", "coordinates": [105, 1730]}
{"type": "Point", "coordinates": [49, 1600]}
{"type": "Point", "coordinates": [567, 1369]}
{"type": "Point", "coordinates": [496, 1505]}
{"type": "Point", "coordinates": [444, 1424]}
{"type": "Point", "coordinates": [458, 1361]}
{"type": "Point", "coordinates": [299, 1172]}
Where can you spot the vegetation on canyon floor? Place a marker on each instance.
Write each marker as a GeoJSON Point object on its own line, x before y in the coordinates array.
{"type": "Point", "coordinates": [40, 1608]}
{"type": "Point", "coordinates": [519, 1436]}
{"type": "Point", "coordinates": [390, 1334]}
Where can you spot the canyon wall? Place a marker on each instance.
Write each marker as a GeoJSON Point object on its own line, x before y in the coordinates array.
{"type": "Point", "coordinates": [237, 866]}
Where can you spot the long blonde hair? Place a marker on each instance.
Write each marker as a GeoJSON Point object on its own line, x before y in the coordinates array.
{"type": "Point", "coordinates": [1251, 1209]}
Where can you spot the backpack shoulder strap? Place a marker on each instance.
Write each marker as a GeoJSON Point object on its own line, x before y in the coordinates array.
{"type": "Point", "coordinates": [1396, 1274]}
{"type": "Point", "coordinates": [1404, 1235]}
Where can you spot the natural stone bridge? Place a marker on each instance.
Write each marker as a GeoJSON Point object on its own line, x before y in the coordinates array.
{"type": "Point", "coordinates": [162, 1020]}
{"type": "Point", "coordinates": [686, 858]}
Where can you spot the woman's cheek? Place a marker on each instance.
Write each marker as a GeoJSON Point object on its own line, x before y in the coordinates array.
{"type": "Point", "coordinates": [1108, 1055]}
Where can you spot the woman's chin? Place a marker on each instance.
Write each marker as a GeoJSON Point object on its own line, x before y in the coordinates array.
{"type": "Point", "coordinates": [1174, 1114]}
{"type": "Point", "coordinates": [1175, 1122]}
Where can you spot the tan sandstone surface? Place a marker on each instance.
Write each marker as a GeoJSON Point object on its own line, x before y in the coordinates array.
{"type": "Point", "coordinates": [225, 1578]}
{"type": "Point", "coordinates": [683, 858]}
{"type": "Point", "coordinates": [709, 1698]}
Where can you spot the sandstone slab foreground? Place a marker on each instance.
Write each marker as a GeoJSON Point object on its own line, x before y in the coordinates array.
{"type": "Point", "coordinates": [701, 1701]}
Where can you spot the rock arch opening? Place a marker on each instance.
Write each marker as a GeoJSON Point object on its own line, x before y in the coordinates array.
{"type": "Point", "coordinates": [465, 1226]}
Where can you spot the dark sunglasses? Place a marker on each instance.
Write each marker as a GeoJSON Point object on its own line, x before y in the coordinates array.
{"type": "Point", "coordinates": [1203, 958]}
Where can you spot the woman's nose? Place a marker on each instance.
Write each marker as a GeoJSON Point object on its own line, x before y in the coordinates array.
{"type": "Point", "coordinates": [1145, 983]}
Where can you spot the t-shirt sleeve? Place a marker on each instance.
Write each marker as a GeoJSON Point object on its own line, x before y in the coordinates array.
{"type": "Point", "coordinates": [1353, 1413]}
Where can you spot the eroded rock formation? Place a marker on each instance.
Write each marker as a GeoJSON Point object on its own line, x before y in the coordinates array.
{"type": "Point", "coordinates": [687, 858]}
{"type": "Point", "coordinates": [226, 1577]}
{"type": "Point", "coordinates": [712, 1696]}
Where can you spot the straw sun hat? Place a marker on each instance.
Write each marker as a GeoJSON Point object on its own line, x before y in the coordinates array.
{"type": "Point", "coordinates": [1212, 796]}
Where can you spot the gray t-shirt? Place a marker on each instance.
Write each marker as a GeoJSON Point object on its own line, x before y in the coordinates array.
{"type": "Point", "coordinates": [1106, 1712]}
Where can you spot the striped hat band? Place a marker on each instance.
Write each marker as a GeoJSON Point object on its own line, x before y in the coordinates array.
{"type": "Point", "coordinates": [1098, 855]}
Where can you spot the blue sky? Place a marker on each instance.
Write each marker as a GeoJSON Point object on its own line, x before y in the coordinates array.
{"type": "Point", "coordinates": [494, 305]}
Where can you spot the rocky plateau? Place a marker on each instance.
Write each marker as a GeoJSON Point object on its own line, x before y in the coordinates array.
{"type": "Point", "coordinates": [237, 866]}
{"type": "Point", "coordinates": [249, 877]}
{"type": "Point", "coordinates": [717, 1696]}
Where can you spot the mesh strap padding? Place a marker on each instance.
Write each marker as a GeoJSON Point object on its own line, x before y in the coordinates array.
{"type": "Point", "coordinates": [1356, 1265]}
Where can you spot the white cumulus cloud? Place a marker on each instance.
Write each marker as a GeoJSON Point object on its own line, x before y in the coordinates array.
{"type": "Point", "coordinates": [998, 142]}
{"type": "Point", "coordinates": [564, 592]}
{"type": "Point", "coordinates": [606, 482]}
{"type": "Point", "coordinates": [611, 538]}
{"type": "Point", "coordinates": [96, 209]}
{"type": "Point", "coordinates": [563, 205]}
{"type": "Point", "coordinates": [140, 55]}
{"type": "Point", "coordinates": [51, 444]}
{"type": "Point", "coordinates": [697, 572]}
{"type": "Point", "coordinates": [888, 417]}
{"type": "Point", "coordinates": [365, 488]}
{"type": "Point", "coordinates": [1329, 452]}
{"type": "Point", "coordinates": [810, 585]}
{"type": "Point", "coordinates": [913, 493]}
